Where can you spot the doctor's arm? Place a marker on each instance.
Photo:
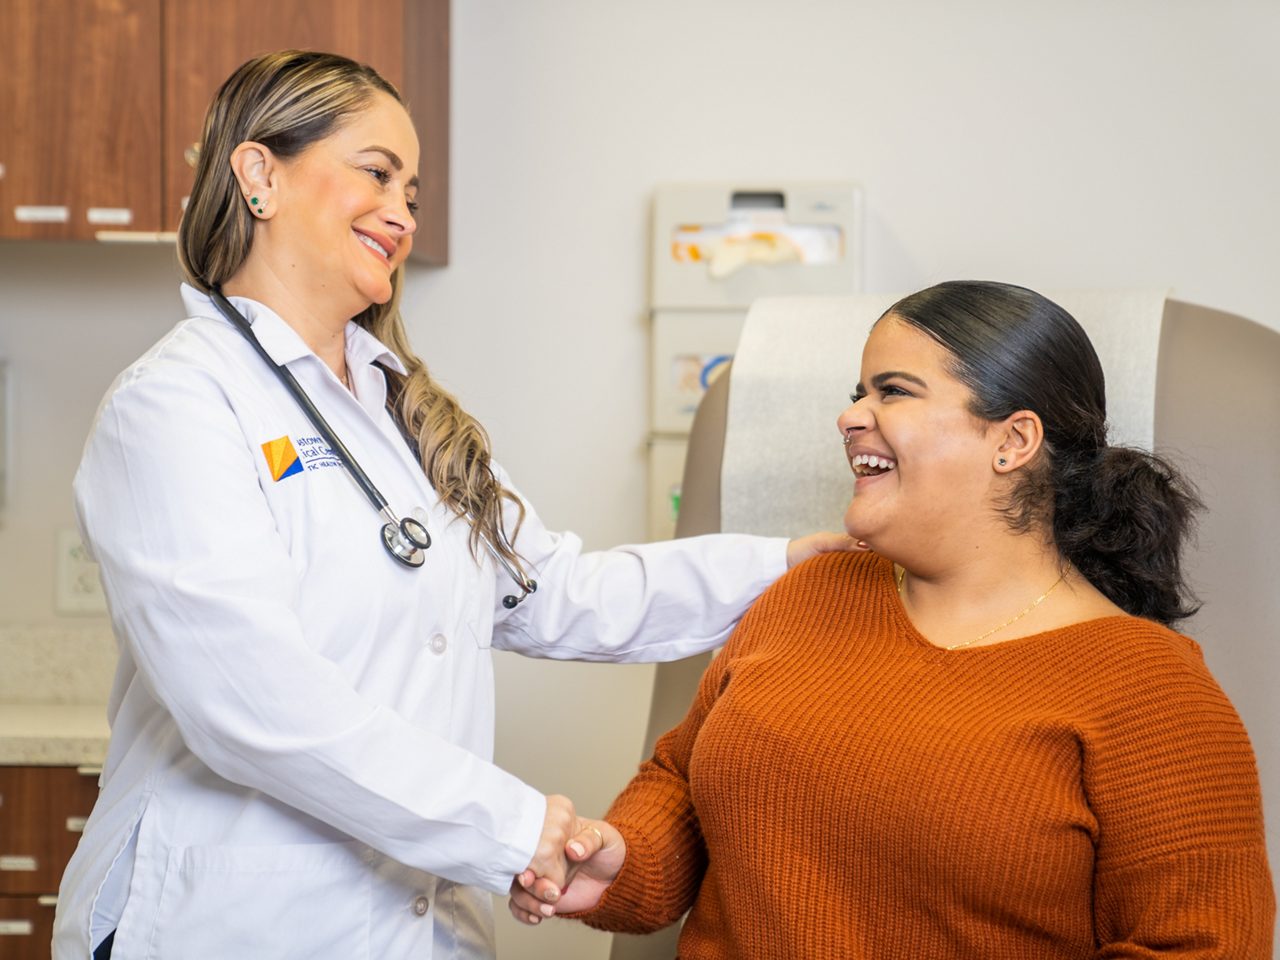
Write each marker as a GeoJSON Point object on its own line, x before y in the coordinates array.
{"type": "Point", "coordinates": [641, 603]}
{"type": "Point", "coordinates": [201, 590]}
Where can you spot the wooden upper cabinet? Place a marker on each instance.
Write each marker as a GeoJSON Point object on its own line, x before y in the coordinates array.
{"type": "Point", "coordinates": [101, 101]}
{"type": "Point", "coordinates": [407, 41]}
{"type": "Point", "coordinates": [79, 117]}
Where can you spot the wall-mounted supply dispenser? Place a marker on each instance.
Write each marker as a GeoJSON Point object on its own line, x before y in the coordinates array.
{"type": "Point", "coordinates": [716, 248]}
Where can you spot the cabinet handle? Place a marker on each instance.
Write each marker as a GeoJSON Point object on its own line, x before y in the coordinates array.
{"type": "Point", "coordinates": [109, 216]}
{"type": "Point", "coordinates": [16, 928]}
{"type": "Point", "coordinates": [76, 824]}
{"type": "Point", "coordinates": [133, 236]}
{"type": "Point", "coordinates": [46, 214]}
{"type": "Point", "coordinates": [47, 900]}
{"type": "Point", "coordinates": [18, 864]}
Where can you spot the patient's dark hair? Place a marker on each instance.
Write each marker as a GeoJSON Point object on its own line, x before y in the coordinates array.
{"type": "Point", "coordinates": [1118, 514]}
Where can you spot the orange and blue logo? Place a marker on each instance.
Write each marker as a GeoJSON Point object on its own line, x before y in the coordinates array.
{"type": "Point", "coordinates": [282, 459]}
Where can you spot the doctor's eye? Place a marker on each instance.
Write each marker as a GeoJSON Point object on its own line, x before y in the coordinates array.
{"type": "Point", "coordinates": [380, 174]}
{"type": "Point", "coordinates": [412, 205]}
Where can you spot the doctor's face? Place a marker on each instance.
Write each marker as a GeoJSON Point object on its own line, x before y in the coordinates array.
{"type": "Point", "coordinates": [345, 207]}
{"type": "Point", "coordinates": [922, 462]}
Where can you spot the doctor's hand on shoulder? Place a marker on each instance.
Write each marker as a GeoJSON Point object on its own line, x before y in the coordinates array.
{"type": "Point", "coordinates": [806, 548]}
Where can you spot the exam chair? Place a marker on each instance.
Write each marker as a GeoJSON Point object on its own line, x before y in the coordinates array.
{"type": "Point", "coordinates": [1197, 385]}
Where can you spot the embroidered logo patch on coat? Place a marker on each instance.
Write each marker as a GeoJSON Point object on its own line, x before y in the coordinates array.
{"type": "Point", "coordinates": [282, 459]}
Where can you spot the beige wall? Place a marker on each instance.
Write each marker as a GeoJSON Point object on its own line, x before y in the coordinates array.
{"type": "Point", "coordinates": [1061, 146]}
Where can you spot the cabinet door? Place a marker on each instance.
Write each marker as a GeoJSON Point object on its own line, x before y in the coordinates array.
{"type": "Point", "coordinates": [79, 102]}
{"type": "Point", "coordinates": [26, 927]}
{"type": "Point", "coordinates": [407, 41]}
{"type": "Point", "coordinates": [42, 814]}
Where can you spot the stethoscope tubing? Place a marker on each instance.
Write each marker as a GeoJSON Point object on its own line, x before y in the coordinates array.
{"type": "Point", "coordinates": [405, 555]}
{"type": "Point", "coordinates": [317, 419]}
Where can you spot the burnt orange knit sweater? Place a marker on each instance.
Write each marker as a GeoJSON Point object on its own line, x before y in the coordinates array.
{"type": "Point", "coordinates": [843, 789]}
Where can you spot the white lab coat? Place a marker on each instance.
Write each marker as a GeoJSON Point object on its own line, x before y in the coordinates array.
{"type": "Point", "coordinates": [302, 729]}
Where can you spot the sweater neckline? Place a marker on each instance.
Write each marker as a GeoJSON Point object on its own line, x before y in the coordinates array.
{"type": "Point", "coordinates": [1043, 637]}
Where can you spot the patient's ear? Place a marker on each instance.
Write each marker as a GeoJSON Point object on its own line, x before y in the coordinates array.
{"type": "Point", "coordinates": [1020, 437]}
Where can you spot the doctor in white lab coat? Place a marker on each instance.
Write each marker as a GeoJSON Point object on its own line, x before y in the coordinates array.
{"type": "Point", "coordinates": [302, 728]}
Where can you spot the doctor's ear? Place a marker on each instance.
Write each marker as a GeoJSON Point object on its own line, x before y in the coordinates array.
{"type": "Point", "coordinates": [1021, 436]}
{"type": "Point", "coordinates": [254, 167]}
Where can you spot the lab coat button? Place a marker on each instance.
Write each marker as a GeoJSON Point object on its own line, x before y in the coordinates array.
{"type": "Point", "coordinates": [421, 906]}
{"type": "Point", "coordinates": [438, 643]}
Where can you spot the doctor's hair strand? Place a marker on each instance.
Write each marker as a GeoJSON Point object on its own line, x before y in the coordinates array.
{"type": "Point", "coordinates": [452, 445]}
{"type": "Point", "coordinates": [287, 101]}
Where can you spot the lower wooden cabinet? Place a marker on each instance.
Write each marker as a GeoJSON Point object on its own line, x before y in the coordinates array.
{"type": "Point", "coordinates": [26, 927]}
{"type": "Point", "coordinates": [42, 814]}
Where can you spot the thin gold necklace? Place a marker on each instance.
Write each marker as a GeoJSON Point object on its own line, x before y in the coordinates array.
{"type": "Point", "coordinates": [902, 575]}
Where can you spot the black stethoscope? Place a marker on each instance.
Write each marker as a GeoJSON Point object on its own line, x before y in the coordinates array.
{"type": "Point", "coordinates": [406, 538]}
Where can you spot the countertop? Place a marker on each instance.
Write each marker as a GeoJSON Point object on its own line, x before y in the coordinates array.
{"type": "Point", "coordinates": [53, 734]}
{"type": "Point", "coordinates": [55, 679]}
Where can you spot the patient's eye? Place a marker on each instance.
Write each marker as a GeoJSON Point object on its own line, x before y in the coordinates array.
{"type": "Point", "coordinates": [857, 395]}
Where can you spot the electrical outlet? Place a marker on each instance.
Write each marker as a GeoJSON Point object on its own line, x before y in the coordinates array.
{"type": "Point", "coordinates": [78, 588]}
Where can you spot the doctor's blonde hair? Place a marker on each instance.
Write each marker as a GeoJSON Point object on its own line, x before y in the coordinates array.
{"type": "Point", "coordinates": [287, 101]}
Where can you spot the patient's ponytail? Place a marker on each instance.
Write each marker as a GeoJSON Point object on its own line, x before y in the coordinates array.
{"type": "Point", "coordinates": [1120, 516]}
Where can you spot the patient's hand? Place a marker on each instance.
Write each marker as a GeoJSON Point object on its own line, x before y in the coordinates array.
{"type": "Point", "coordinates": [595, 855]}
{"type": "Point", "coordinates": [802, 548]}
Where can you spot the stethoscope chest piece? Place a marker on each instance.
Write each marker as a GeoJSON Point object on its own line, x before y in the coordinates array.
{"type": "Point", "coordinates": [406, 538]}
{"type": "Point", "coordinates": [406, 541]}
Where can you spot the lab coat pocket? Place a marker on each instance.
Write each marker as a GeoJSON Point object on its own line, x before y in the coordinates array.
{"type": "Point", "coordinates": [290, 901]}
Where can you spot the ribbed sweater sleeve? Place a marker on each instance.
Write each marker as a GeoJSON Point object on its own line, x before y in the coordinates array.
{"type": "Point", "coordinates": [1181, 867]}
{"type": "Point", "coordinates": [666, 856]}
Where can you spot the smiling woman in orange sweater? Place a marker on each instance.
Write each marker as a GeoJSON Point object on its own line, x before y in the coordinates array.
{"type": "Point", "coordinates": [983, 740]}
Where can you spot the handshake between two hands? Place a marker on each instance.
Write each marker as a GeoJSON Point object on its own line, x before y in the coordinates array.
{"type": "Point", "coordinates": [575, 862]}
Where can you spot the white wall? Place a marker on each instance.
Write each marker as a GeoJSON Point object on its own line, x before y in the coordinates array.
{"type": "Point", "coordinates": [72, 315]}
{"type": "Point", "coordinates": [1084, 145]}
{"type": "Point", "coordinates": [1067, 145]}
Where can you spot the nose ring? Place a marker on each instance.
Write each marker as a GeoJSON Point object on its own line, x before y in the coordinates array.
{"type": "Point", "coordinates": [848, 439]}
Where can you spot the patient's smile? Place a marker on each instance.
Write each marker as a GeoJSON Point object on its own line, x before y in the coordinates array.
{"type": "Point", "coordinates": [869, 465]}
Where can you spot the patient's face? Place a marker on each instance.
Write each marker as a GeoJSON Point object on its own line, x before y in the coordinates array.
{"type": "Point", "coordinates": [922, 462]}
